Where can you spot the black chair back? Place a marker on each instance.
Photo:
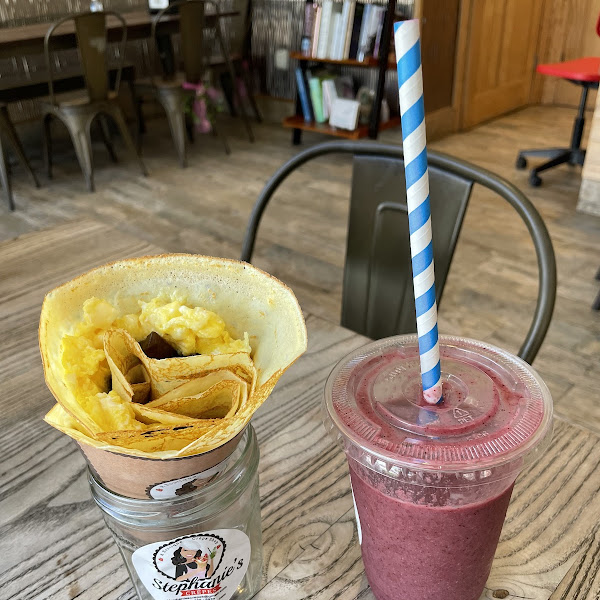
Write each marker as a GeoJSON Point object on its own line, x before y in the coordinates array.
{"type": "Point", "coordinates": [378, 298]}
{"type": "Point", "coordinates": [377, 273]}
{"type": "Point", "coordinates": [90, 30]}
{"type": "Point", "coordinates": [192, 22]}
{"type": "Point", "coordinates": [191, 29]}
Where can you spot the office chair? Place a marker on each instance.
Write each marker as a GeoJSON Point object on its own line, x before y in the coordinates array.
{"type": "Point", "coordinates": [584, 72]}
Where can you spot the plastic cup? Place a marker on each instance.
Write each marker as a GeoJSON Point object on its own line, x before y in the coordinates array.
{"type": "Point", "coordinates": [431, 484]}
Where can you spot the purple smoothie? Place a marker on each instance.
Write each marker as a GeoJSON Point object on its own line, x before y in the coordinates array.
{"type": "Point", "coordinates": [432, 484]}
{"type": "Point", "coordinates": [436, 552]}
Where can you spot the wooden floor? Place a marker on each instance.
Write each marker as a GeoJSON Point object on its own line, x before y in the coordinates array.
{"type": "Point", "coordinates": [491, 290]}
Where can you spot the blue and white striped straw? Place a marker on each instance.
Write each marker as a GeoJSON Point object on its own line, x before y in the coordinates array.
{"type": "Point", "coordinates": [412, 111]}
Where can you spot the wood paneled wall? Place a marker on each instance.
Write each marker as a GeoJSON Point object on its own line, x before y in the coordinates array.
{"type": "Point", "coordinates": [567, 31]}
{"type": "Point", "coordinates": [500, 57]}
{"type": "Point", "coordinates": [499, 43]}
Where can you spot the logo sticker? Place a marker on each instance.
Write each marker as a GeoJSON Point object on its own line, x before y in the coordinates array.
{"type": "Point", "coordinates": [184, 485]}
{"type": "Point", "coordinates": [202, 565]}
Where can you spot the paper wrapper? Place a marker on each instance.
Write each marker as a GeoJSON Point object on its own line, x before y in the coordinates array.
{"type": "Point", "coordinates": [146, 478]}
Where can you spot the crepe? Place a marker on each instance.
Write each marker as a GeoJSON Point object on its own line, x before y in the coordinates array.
{"type": "Point", "coordinates": [195, 403]}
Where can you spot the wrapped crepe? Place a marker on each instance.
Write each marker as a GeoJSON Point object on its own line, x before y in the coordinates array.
{"type": "Point", "coordinates": [165, 409]}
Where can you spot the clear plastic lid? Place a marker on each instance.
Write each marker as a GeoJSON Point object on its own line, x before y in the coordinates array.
{"type": "Point", "coordinates": [495, 408]}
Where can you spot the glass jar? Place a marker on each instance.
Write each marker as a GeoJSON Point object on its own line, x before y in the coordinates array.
{"type": "Point", "coordinates": [206, 543]}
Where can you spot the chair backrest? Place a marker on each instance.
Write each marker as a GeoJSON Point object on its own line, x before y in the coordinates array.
{"type": "Point", "coordinates": [191, 28]}
{"type": "Point", "coordinates": [239, 30]}
{"type": "Point", "coordinates": [378, 298]}
{"type": "Point", "coordinates": [90, 31]}
{"type": "Point", "coordinates": [377, 292]}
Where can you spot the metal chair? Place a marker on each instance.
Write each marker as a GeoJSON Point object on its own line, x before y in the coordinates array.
{"type": "Point", "coordinates": [168, 88]}
{"type": "Point", "coordinates": [78, 114]}
{"type": "Point", "coordinates": [7, 129]}
{"type": "Point", "coordinates": [377, 290]}
{"type": "Point", "coordinates": [239, 42]}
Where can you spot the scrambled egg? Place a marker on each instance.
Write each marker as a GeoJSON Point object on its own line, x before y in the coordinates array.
{"type": "Point", "coordinates": [191, 330]}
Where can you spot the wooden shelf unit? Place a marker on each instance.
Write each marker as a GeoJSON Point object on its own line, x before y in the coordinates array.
{"type": "Point", "coordinates": [369, 63]}
{"type": "Point", "coordinates": [298, 122]}
{"type": "Point", "coordinates": [382, 64]}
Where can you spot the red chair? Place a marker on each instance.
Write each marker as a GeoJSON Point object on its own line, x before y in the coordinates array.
{"type": "Point", "coordinates": [586, 73]}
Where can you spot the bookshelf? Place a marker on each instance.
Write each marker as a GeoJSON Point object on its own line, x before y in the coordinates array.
{"type": "Point", "coordinates": [381, 63]}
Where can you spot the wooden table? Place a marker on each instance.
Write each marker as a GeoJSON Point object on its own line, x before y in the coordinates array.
{"type": "Point", "coordinates": [54, 544]}
{"type": "Point", "coordinates": [29, 39]}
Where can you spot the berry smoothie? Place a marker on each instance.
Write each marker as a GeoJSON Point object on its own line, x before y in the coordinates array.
{"type": "Point", "coordinates": [432, 483]}
{"type": "Point", "coordinates": [436, 552]}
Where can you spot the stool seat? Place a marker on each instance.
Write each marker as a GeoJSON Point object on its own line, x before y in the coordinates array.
{"type": "Point", "coordinates": [581, 69]}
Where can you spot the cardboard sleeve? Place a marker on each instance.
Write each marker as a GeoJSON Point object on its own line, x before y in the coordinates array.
{"type": "Point", "coordinates": [146, 478]}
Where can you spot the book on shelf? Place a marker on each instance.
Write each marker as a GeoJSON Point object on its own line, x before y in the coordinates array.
{"type": "Point", "coordinates": [355, 34]}
{"type": "Point", "coordinates": [379, 33]}
{"type": "Point", "coordinates": [324, 33]}
{"type": "Point", "coordinates": [316, 98]}
{"type": "Point", "coordinates": [304, 97]}
{"type": "Point", "coordinates": [340, 40]}
{"type": "Point", "coordinates": [364, 27]}
{"type": "Point", "coordinates": [334, 30]}
{"type": "Point", "coordinates": [348, 27]}
{"type": "Point", "coordinates": [372, 22]}
{"type": "Point", "coordinates": [337, 51]}
{"type": "Point", "coordinates": [329, 95]}
{"type": "Point", "coordinates": [315, 32]}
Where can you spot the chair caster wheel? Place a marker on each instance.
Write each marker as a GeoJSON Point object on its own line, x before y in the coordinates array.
{"type": "Point", "coordinates": [521, 162]}
{"type": "Point", "coordinates": [535, 180]}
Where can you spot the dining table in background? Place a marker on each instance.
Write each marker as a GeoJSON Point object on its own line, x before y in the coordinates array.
{"type": "Point", "coordinates": [29, 39]}
{"type": "Point", "coordinates": [54, 544]}
{"type": "Point", "coordinates": [26, 42]}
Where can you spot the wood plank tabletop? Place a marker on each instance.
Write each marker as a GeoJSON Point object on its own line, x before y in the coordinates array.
{"type": "Point", "coordinates": [29, 39]}
{"type": "Point", "coordinates": [54, 544]}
